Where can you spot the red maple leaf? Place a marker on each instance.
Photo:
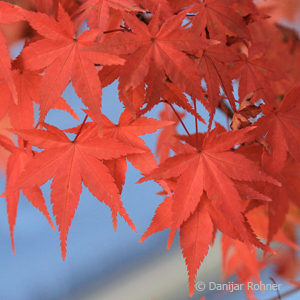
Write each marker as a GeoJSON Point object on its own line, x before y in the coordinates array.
{"type": "Point", "coordinates": [161, 46]}
{"type": "Point", "coordinates": [70, 163]}
{"type": "Point", "coordinates": [64, 56]}
{"type": "Point", "coordinates": [210, 167]}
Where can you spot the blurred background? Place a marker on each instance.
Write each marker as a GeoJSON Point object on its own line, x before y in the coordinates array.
{"type": "Point", "coordinates": [102, 263]}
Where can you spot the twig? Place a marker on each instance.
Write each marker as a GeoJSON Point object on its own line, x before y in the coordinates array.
{"type": "Point", "coordinates": [287, 293]}
{"type": "Point", "coordinates": [278, 293]}
{"type": "Point", "coordinates": [179, 118]}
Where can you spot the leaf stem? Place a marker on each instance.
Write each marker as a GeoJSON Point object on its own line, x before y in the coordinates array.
{"type": "Point", "coordinates": [113, 30]}
{"type": "Point", "coordinates": [122, 29]}
{"type": "Point", "coordinates": [80, 129]}
{"type": "Point", "coordinates": [179, 118]}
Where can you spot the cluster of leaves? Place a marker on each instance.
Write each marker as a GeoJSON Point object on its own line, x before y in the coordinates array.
{"type": "Point", "coordinates": [242, 181]}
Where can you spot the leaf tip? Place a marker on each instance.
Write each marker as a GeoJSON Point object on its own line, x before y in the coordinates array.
{"type": "Point", "coordinates": [171, 238]}
{"type": "Point", "coordinates": [52, 226]}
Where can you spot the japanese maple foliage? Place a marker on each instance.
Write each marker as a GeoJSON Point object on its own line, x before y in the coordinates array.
{"type": "Point", "coordinates": [187, 57]}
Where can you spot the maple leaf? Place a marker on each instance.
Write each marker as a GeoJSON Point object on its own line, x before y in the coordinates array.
{"type": "Point", "coordinates": [281, 123]}
{"type": "Point", "coordinates": [70, 163]}
{"type": "Point", "coordinates": [210, 167]}
{"type": "Point", "coordinates": [65, 56]}
{"type": "Point", "coordinates": [219, 18]}
{"type": "Point", "coordinates": [15, 166]}
{"type": "Point", "coordinates": [162, 46]}
{"type": "Point", "coordinates": [97, 12]}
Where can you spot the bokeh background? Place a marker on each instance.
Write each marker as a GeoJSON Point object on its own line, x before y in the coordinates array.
{"type": "Point", "coordinates": [102, 263]}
